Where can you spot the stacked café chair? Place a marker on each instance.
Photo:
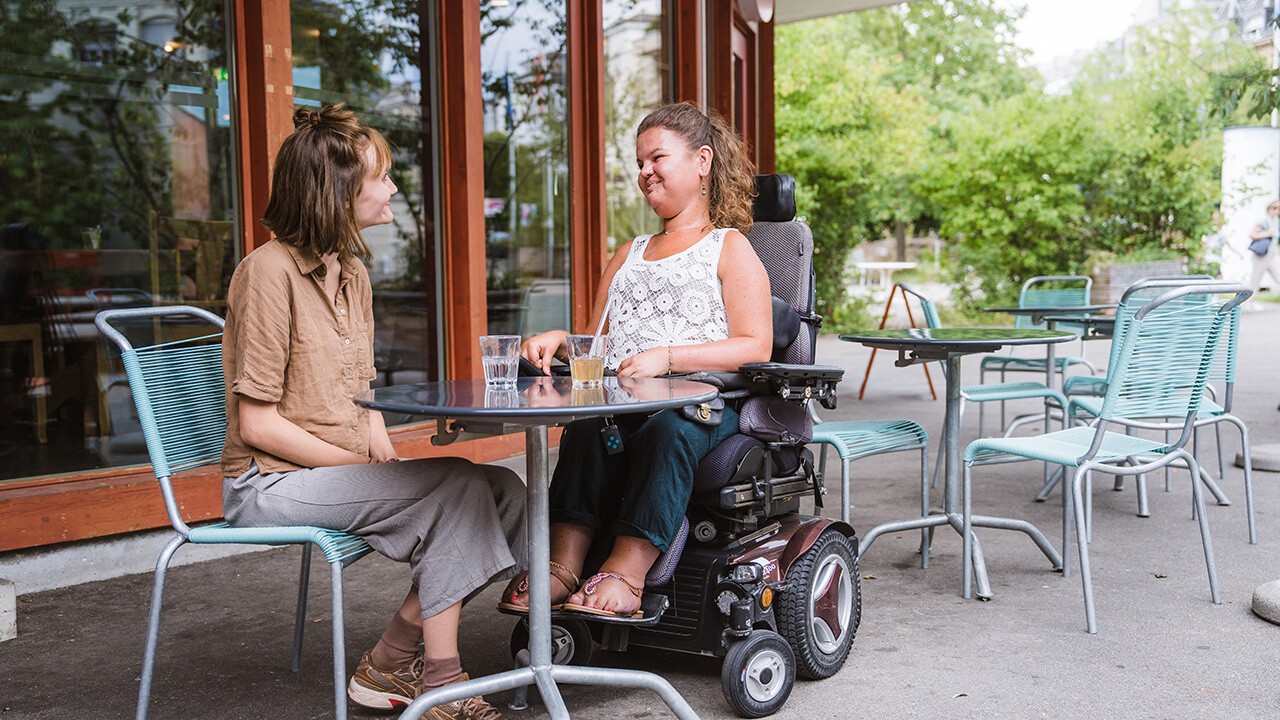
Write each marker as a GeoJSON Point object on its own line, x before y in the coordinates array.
{"type": "Point", "coordinates": [1043, 291]}
{"type": "Point", "coordinates": [1213, 411]}
{"type": "Point", "coordinates": [1160, 369]}
{"type": "Point", "coordinates": [178, 390]}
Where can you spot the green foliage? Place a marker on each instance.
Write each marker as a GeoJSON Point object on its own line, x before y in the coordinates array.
{"type": "Point", "coordinates": [923, 114]}
{"type": "Point", "coordinates": [859, 99]}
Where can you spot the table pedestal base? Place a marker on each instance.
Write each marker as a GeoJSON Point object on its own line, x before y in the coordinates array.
{"type": "Point", "coordinates": [545, 678]}
{"type": "Point", "coordinates": [956, 521]}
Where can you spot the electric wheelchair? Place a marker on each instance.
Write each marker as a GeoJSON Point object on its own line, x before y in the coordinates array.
{"type": "Point", "coordinates": [773, 592]}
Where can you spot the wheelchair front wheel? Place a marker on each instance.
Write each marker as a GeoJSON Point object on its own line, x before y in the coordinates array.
{"type": "Point", "coordinates": [758, 674]}
{"type": "Point", "coordinates": [571, 642]}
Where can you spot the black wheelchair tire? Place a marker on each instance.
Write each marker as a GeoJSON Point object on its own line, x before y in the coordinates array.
{"type": "Point", "coordinates": [758, 674]}
{"type": "Point", "coordinates": [820, 653]}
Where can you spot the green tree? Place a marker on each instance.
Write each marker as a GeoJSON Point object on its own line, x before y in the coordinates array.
{"type": "Point", "coordinates": [861, 97]}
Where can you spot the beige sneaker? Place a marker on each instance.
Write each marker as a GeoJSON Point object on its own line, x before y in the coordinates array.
{"type": "Point", "coordinates": [472, 708]}
{"type": "Point", "coordinates": [385, 690]}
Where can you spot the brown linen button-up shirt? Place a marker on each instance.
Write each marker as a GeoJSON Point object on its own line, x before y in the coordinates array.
{"type": "Point", "coordinates": [286, 343]}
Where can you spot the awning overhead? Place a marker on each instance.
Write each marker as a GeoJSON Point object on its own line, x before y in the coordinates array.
{"type": "Point", "coordinates": [788, 11]}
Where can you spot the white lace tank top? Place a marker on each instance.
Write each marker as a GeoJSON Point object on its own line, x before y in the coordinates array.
{"type": "Point", "coordinates": [673, 301]}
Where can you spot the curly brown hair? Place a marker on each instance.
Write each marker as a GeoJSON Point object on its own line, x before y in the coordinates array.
{"type": "Point", "coordinates": [318, 175]}
{"type": "Point", "coordinates": [732, 178]}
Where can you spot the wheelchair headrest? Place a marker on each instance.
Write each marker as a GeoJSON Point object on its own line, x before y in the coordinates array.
{"type": "Point", "coordinates": [775, 199]}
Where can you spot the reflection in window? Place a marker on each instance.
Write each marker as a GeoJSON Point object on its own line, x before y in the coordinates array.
{"type": "Point", "coordinates": [523, 67]}
{"type": "Point", "coordinates": [366, 53]}
{"type": "Point", "coordinates": [117, 191]}
{"type": "Point", "coordinates": [636, 79]}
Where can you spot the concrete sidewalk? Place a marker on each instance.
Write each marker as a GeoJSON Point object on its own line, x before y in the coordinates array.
{"type": "Point", "coordinates": [1163, 650]}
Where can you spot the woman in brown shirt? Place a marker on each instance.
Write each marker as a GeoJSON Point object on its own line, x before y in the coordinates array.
{"type": "Point", "coordinates": [298, 344]}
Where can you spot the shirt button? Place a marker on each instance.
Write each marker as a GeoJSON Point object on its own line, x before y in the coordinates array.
{"type": "Point", "coordinates": [346, 341]}
{"type": "Point", "coordinates": [346, 372]}
{"type": "Point", "coordinates": [342, 311]}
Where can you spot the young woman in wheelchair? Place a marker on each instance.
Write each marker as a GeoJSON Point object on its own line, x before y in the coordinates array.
{"type": "Point", "coordinates": [297, 345]}
{"type": "Point", "coordinates": [692, 297]}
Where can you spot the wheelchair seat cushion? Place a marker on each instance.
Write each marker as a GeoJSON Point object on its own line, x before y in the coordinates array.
{"type": "Point", "coordinates": [737, 455]}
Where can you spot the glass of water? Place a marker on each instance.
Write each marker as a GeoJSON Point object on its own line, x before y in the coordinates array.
{"type": "Point", "coordinates": [500, 356]}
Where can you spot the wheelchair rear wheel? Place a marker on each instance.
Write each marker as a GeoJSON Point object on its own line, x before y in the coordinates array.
{"type": "Point", "coordinates": [758, 674]}
{"type": "Point", "coordinates": [820, 614]}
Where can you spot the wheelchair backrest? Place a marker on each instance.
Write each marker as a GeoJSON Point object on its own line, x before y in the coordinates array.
{"type": "Point", "coordinates": [785, 246]}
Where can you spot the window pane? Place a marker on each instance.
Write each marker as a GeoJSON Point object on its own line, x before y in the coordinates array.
{"type": "Point", "coordinates": [637, 79]}
{"type": "Point", "coordinates": [366, 53]}
{"type": "Point", "coordinates": [118, 187]}
{"type": "Point", "coordinates": [523, 58]}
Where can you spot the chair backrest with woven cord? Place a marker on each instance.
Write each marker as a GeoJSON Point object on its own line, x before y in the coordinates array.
{"type": "Point", "coordinates": [178, 390]}
{"type": "Point", "coordinates": [1053, 291]}
{"type": "Point", "coordinates": [1166, 349]}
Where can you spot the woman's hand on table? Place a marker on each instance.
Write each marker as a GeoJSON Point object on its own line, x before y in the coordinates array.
{"type": "Point", "coordinates": [650, 363]}
{"type": "Point", "coordinates": [541, 349]}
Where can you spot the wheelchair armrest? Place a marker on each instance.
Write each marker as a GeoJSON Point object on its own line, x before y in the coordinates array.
{"type": "Point", "coordinates": [803, 381]}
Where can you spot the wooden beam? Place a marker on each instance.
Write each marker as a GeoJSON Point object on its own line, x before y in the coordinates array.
{"type": "Point", "coordinates": [264, 88]}
{"type": "Point", "coordinates": [461, 187]}
{"type": "Point", "coordinates": [586, 157]}
{"type": "Point", "coordinates": [688, 36]}
{"type": "Point", "coordinates": [766, 128]}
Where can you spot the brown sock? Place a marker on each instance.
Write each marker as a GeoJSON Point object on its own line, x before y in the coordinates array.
{"type": "Point", "coordinates": [440, 671]}
{"type": "Point", "coordinates": [398, 644]}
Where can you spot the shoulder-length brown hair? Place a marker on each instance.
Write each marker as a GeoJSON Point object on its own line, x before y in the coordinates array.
{"type": "Point", "coordinates": [731, 183]}
{"type": "Point", "coordinates": [317, 176]}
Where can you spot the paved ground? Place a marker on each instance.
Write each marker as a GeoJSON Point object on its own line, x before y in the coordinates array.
{"type": "Point", "coordinates": [1164, 650]}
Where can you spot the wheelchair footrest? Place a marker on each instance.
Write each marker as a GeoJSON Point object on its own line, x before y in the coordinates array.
{"type": "Point", "coordinates": [653, 605]}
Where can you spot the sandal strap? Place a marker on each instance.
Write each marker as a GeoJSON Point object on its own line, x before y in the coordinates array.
{"type": "Point", "coordinates": [594, 581]}
{"type": "Point", "coordinates": [572, 575]}
{"type": "Point", "coordinates": [523, 586]}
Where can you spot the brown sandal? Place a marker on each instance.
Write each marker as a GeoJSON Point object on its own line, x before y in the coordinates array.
{"type": "Point", "coordinates": [522, 587]}
{"type": "Point", "coordinates": [589, 588]}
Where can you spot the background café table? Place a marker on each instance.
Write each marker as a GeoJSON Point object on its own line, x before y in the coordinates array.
{"type": "Point", "coordinates": [917, 345]}
{"type": "Point", "coordinates": [534, 404]}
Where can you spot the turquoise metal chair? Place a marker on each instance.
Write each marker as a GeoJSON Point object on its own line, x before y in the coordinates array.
{"type": "Point", "coordinates": [1166, 349]}
{"type": "Point", "coordinates": [1039, 291]}
{"type": "Point", "coordinates": [856, 439]}
{"type": "Point", "coordinates": [178, 389]}
{"type": "Point", "coordinates": [1211, 413]}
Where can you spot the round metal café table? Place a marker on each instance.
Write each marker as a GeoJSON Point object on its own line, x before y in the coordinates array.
{"type": "Point", "coordinates": [533, 405]}
{"type": "Point", "coordinates": [917, 345]}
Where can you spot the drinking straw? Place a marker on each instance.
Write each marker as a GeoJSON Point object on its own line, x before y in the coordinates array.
{"type": "Point", "coordinates": [595, 339]}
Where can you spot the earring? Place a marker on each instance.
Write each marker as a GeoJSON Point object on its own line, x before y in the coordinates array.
{"type": "Point", "coordinates": [704, 188]}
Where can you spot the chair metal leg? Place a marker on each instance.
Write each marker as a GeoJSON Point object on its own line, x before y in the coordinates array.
{"type": "Point", "coordinates": [300, 614]}
{"type": "Point", "coordinates": [153, 625]}
{"type": "Point", "coordinates": [1217, 437]}
{"type": "Point", "coordinates": [339, 646]}
{"type": "Point", "coordinates": [1082, 544]}
{"type": "Point", "coordinates": [844, 490]}
{"type": "Point", "coordinates": [1088, 506]}
{"type": "Point", "coordinates": [1144, 505]}
{"type": "Point", "coordinates": [1248, 479]}
{"type": "Point", "coordinates": [966, 503]}
{"type": "Point", "coordinates": [1206, 539]}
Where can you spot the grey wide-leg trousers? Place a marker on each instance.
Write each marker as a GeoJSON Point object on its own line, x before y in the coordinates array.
{"type": "Point", "coordinates": [459, 525]}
